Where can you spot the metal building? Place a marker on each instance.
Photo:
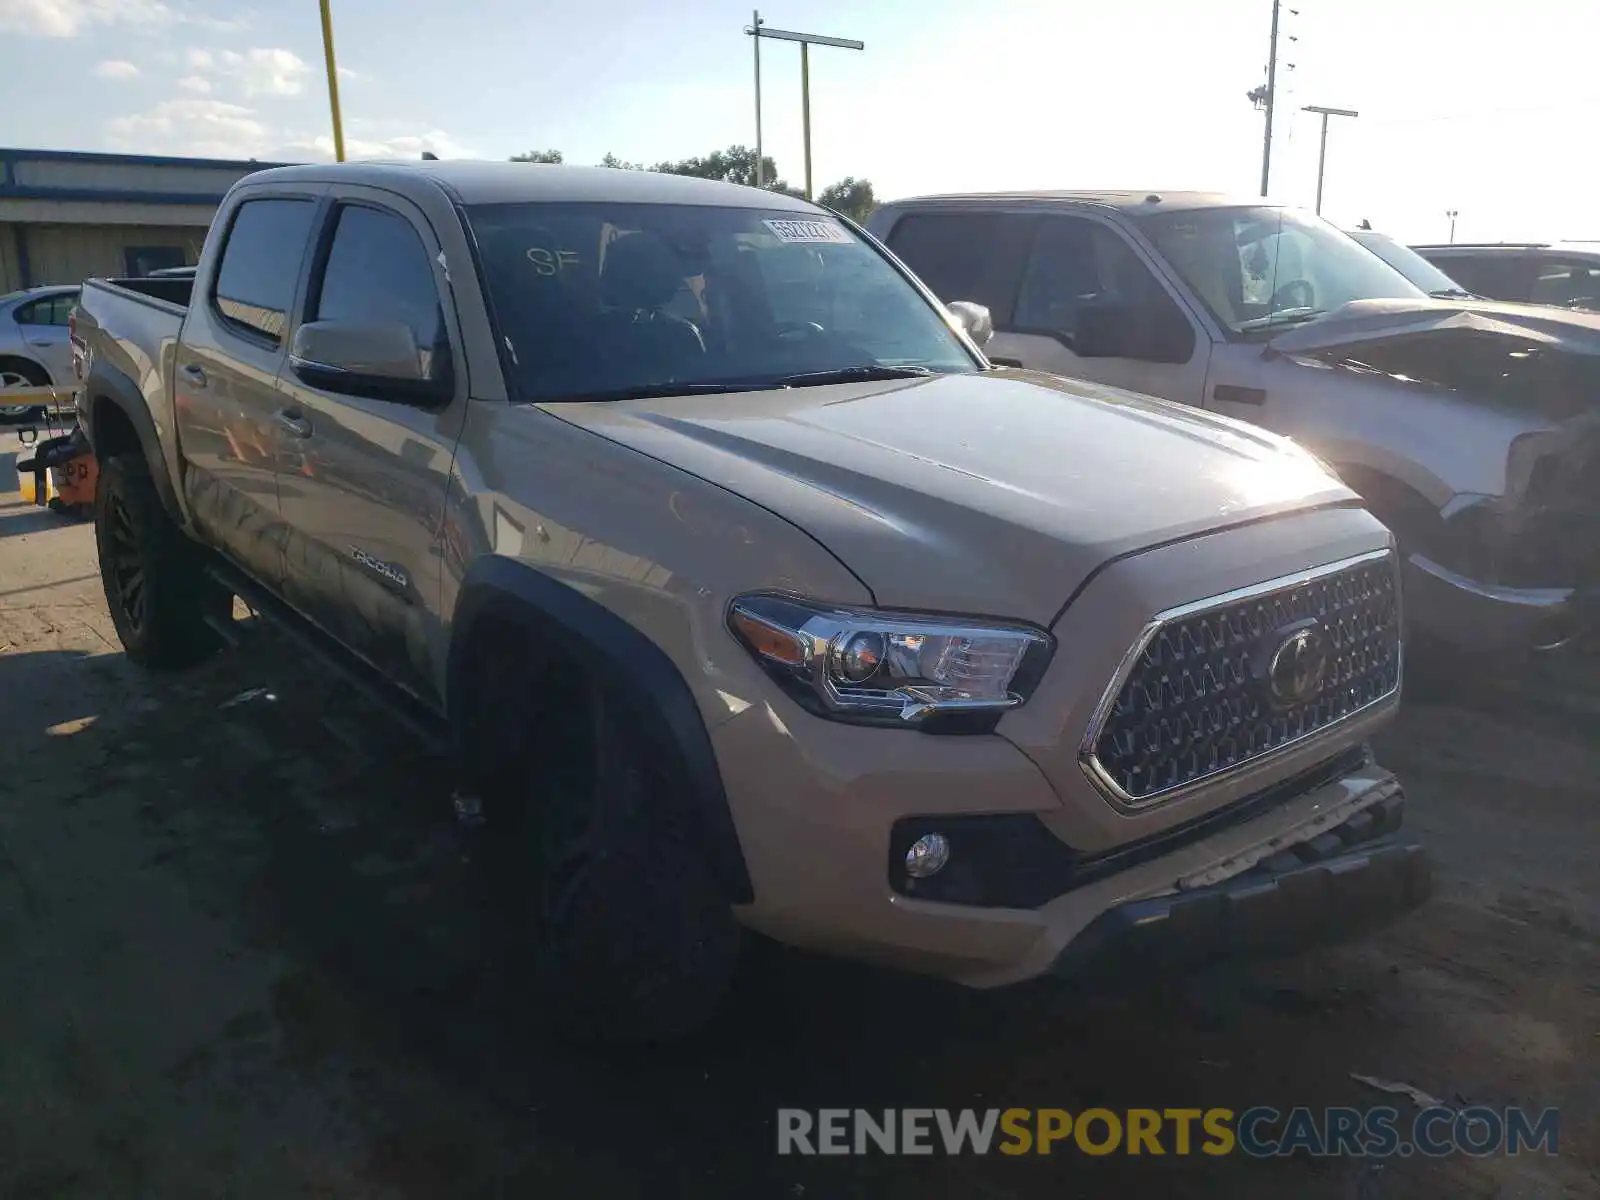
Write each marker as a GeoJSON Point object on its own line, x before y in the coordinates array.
{"type": "Point", "coordinates": [65, 216]}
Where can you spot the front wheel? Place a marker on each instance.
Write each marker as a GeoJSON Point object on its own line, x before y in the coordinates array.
{"type": "Point", "coordinates": [155, 582]}
{"type": "Point", "coordinates": [628, 934]}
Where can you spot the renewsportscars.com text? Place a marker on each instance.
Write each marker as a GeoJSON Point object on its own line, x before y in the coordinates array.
{"type": "Point", "coordinates": [1260, 1132]}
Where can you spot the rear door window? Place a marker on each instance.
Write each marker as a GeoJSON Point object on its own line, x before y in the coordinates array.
{"type": "Point", "coordinates": [261, 265]}
{"type": "Point", "coordinates": [968, 256]}
{"type": "Point", "coordinates": [53, 310]}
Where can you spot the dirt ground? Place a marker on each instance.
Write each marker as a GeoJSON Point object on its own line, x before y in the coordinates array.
{"type": "Point", "coordinates": [243, 953]}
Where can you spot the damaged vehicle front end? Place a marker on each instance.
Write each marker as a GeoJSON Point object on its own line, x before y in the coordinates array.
{"type": "Point", "coordinates": [1472, 429]}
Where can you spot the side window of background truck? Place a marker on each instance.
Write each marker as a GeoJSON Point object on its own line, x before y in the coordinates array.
{"type": "Point", "coordinates": [1078, 264]}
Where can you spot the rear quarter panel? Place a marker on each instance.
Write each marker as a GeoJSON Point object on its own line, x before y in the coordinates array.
{"type": "Point", "coordinates": [137, 338]}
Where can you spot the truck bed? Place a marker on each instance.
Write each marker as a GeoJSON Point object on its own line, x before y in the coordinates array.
{"type": "Point", "coordinates": [169, 292]}
{"type": "Point", "coordinates": [130, 328]}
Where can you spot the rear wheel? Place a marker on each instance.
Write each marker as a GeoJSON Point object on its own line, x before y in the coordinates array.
{"type": "Point", "coordinates": [155, 583]}
{"type": "Point", "coordinates": [19, 375]}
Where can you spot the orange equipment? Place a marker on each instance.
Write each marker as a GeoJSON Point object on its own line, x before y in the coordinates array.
{"type": "Point", "coordinates": [59, 473]}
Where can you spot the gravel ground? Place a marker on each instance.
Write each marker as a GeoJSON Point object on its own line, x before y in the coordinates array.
{"type": "Point", "coordinates": [243, 953]}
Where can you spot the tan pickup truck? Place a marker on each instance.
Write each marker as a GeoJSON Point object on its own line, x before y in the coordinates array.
{"type": "Point", "coordinates": [750, 596]}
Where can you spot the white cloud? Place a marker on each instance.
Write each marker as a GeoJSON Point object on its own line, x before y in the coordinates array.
{"type": "Point", "coordinates": [198, 84]}
{"type": "Point", "coordinates": [270, 72]}
{"type": "Point", "coordinates": [116, 68]}
{"type": "Point", "coordinates": [406, 145]}
{"type": "Point", "coordinates": [69, 18]}
{"type": "Point", "coordinates": [209, 128]}
{"type": "Point", "coordinates": [262, 71]}
{"type": "Point", "coordinates": [234, 24]}
{"type": "Point", "coordinates": [203, 128]}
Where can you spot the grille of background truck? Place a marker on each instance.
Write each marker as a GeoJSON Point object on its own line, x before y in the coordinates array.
{"type": "Point", "coordinates": [1192, 699]}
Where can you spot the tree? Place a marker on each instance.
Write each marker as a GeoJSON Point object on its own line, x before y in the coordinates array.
{"type": "Point", "coordinates": [736, 164]}
{"type": "Point", "coordinates": [851, 196]}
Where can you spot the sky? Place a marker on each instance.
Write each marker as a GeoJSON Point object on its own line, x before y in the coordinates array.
{"type": "Point", "coordinates": [1485, 108]}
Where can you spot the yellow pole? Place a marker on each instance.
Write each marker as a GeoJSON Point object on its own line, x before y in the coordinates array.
{"type": "Point", "coordinates": [333, 81]}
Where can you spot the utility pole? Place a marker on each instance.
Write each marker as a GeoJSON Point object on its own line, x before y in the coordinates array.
{"type": "Point", "coordinates": [806, 40]}
{"type": "Point", "coordinates": [1272, 89]}
{"type": "Point", "coordinates": [755, 40]}
{"type": "Point", "coordinates": [1452, 214]}
{"type": "Point", "coordinates": [1322, 154]}
{"type": "Point", "coordinates": [333, 81]}
{"type": "Point", "coordinates": [805, 108]}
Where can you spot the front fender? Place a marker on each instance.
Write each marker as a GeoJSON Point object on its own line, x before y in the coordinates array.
{"type": "Point", "coordinates": [612, 650]}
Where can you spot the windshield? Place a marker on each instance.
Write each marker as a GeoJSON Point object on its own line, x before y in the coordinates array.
{"type": "Point", "coordinates": [1262, 268]}
{"type": "Point", "coordinates": [597, 300]}
{"type": "Point", "coordinates": [1411, 264]}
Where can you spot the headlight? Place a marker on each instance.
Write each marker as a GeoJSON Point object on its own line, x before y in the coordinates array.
{"type": "Point", "coordinates": [862, 664]}
{"type": "Point", "coordinates": [1528, 452]}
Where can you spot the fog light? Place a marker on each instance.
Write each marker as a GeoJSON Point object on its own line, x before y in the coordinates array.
{"type": "Point", "coordinates": [927, 855]}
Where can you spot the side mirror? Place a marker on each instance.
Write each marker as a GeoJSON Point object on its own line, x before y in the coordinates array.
{"type": "Point", "coordinates": [974, 319]}
{"type": "Point", "coordinates": [1159, 334]}
{"type": "Point", "coordinates": [370, 358]}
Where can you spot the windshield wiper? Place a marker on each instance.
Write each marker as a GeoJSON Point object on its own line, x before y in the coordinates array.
{"type": "Point", "coordinates": [1287, 316]}
{"type": "Point", "coordinates": [711, 388]}
{"type": "Point", "coordinates": [655, 390]}
{"type": "Point", "coordinates": [865, 373]}
{"type": "Point", "coordinates": [1452, 293]}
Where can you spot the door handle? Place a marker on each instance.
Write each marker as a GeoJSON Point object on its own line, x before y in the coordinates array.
{"type": "Point", "coordinates": [1228, 393]}
{"type": "Point", "coordinates": [294, 422]}
{"type": "Point", "coordinates": [192, 375]}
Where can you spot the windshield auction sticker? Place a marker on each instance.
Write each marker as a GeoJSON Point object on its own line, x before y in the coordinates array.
{"type": "Point", "coordinates": [809, 231]}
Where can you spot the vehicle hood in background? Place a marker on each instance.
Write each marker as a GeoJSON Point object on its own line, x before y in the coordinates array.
{"type": "Point", "coordinates": [1522, 357]}
{"type": "Point", "coordinates": [994, 493]}
{"type": "Point", "coordinates": [1364, 320]}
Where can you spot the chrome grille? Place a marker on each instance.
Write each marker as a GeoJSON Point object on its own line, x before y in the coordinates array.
{"type": "Point", "coordinates": [1208, 687]}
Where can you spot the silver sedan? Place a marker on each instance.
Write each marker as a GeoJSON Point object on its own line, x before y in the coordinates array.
{"type": "Point", "coordinates": [34, 349]}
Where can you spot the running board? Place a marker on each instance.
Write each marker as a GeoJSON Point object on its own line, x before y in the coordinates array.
{"type": "Point", "coordinates": [426, 725]}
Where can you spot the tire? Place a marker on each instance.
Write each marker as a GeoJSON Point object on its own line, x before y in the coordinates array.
{"type": "Point", "coordinates": [628, 934]}
{"type": "Point", "coordinates": [22, 374]}
{"type": "Point", "coordinates": [155, 584]}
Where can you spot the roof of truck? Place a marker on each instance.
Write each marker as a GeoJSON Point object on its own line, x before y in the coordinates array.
{"type": "Point", "coordinates": [474, 182]}
{"type": "Point", "coordinates": [1510, 250]}
{"type": "Point", "coordinates": [1127, 200]}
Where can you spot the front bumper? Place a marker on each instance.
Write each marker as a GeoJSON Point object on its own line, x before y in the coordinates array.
{"type": "Point", "coordinates": [1487, 618]}
{"type": "Point", "coordinates": [819, 816]}
{"type": "Point", "coordinates": [1355, 877]}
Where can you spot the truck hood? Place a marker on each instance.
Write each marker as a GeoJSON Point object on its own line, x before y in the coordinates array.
{"type": "Point", "coordinates": [1365, 320]}
{"type": "Point", "coordinates": [996, 493]}
{"type": "Point", "coordinates": [1522, 357]}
